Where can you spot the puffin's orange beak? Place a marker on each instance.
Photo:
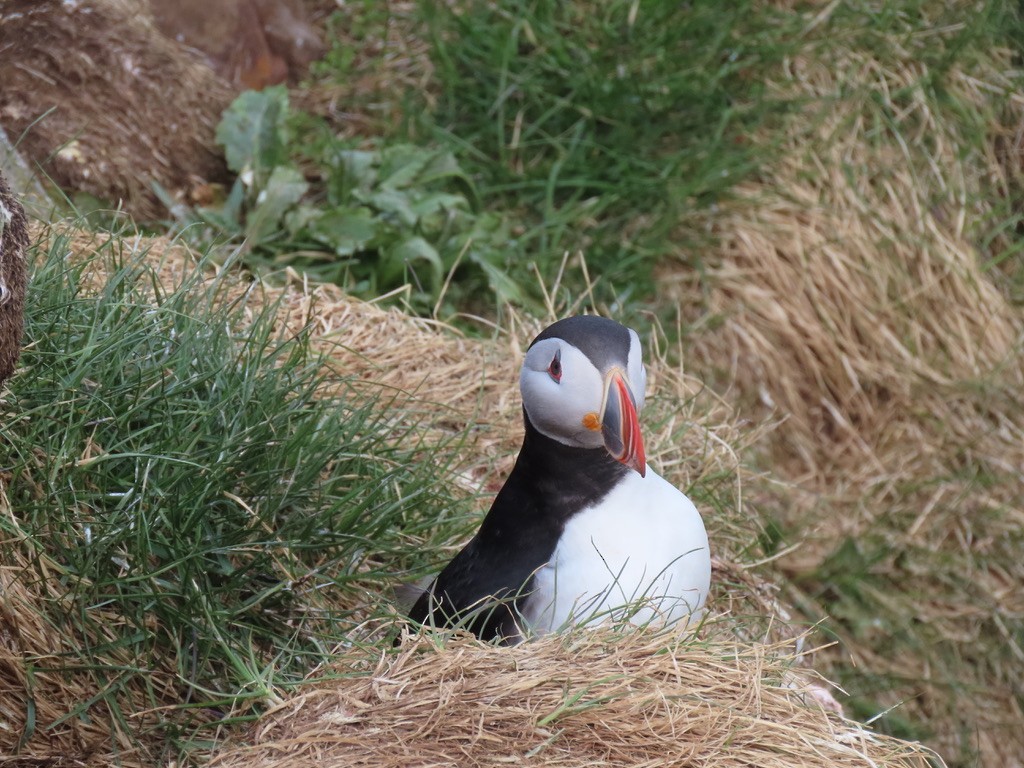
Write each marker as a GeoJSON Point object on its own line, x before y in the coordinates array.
{"type": "Point", "coordinates": [620, 425]}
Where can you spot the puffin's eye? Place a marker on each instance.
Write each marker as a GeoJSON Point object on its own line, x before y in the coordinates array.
{"type": "Point", "coordinates": [555, 369]}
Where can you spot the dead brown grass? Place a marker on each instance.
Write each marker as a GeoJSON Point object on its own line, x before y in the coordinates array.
{"type": "Point", "coordinates": [48, 714]}
{"type": "Point", "coordinates": [858, 308]}
{"type": "Point", "coordinates": [596, 699]}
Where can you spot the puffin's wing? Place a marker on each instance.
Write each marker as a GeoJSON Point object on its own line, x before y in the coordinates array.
{"type": "Point", "coordinates": [480, 592]}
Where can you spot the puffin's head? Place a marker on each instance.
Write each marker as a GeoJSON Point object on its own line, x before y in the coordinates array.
{"type": "Point", "coordinates": [583, 383]}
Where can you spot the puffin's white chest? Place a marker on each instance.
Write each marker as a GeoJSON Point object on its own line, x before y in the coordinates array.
{"type": "Point", "coordinates": [645, 541]}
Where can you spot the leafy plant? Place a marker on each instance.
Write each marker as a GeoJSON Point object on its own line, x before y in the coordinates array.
{"type": "Point", "coordinates": [372, 220]}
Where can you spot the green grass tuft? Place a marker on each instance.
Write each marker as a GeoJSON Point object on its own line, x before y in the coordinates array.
{"type": "Point", "coordinates": [606, 126]}
{"type": "Point", "coordinates": [176, 463]}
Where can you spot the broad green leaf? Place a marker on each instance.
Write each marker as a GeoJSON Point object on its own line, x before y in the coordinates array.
{"type": "Point", "coordinates": [430, 204]}
{"type": "Point", "coordinates": [252, 130]}
{"type": "Point", "coordinates": [503, 286]}
{"type": "Point", "coordinates": [442, 165]}
{"type": "Point", "coordinates": [400, 165]}
{"type": "Point", "coordinates": [360, 168]}
{"type": "Point", "coordinates": [394, 202]}
{"type": "Point", "coordinates": [488, 232]}
{"type": "Point", "coordinates": [284, 189]}
{"type": "Point", "coordinates": [347, 230]}
{"type": "Point", "coordinates": [408, 255]}
{"type": "Point", "coordinates": [302, 217]}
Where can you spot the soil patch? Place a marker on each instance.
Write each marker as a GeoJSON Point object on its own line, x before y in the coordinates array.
{"type": "Point", "coordinates": [104, 103]}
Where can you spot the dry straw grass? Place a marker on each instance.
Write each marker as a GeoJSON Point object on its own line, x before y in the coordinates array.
{"type": "Point", "coordinates": [860, 300]}
{"type": "Point", "coordinates": [587, 699]}
{"type": "Point", "coordinates": [858, 307]}
{"type": "Point", "coordinates": [46, 717]}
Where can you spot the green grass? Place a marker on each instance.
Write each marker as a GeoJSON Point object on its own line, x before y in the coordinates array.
{"type": "Point", "coordinates": [179, 468]}
{"type": "Point", "coordinates": [607, 128]}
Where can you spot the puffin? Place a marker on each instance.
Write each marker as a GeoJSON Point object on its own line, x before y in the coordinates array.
{"type": "Point", "coordinates": [583, 531]}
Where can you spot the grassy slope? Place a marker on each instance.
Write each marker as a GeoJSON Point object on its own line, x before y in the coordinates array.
{"type": "Point", "coordinates": [873, 313]}
{"type": "Point", "coordinates": [606, 128]}
{"type": "Point", "coordinates": [198, 508]}
{"type": "Point", "coordinates": [549, 131]}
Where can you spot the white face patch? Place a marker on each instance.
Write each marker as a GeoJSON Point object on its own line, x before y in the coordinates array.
{"type": "Point", "coordinates": [559, 409]}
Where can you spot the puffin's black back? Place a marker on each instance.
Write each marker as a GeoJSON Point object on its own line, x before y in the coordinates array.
{"type": "Point", "coordinates": [484, 588]}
